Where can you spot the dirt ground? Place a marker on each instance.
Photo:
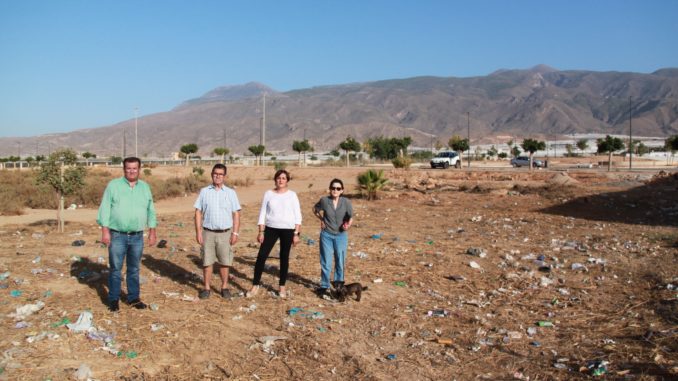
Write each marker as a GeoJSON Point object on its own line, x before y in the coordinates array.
{"type": "Point", "coordinates": [484, 274]}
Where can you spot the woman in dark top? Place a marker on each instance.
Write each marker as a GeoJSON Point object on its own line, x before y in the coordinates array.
{"type": "Point", "coordinates": [336, 217]}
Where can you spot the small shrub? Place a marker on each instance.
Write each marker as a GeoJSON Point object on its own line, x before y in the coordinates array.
{"type": "Point", "coordinates": [278, 165]}
{"type": "Point", "coordinates": [147, 172]}
{"type": "Point", "coordinates": [240, 182]}
{"type": "Point", "coordinates": [198, 171]}
{"type": "Point", "coordinates": [402, 162]}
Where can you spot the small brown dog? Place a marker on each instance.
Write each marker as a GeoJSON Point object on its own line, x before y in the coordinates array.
{"type": "Point", "coordinates": [344, 292]}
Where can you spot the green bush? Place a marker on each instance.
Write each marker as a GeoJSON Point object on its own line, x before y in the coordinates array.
{"type": "Point", "coordinates": [402, 162]}
{"type": "Point", "coordinates": [147, 172]}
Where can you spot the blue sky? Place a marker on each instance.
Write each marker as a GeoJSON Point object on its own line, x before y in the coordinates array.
{"type": "Point", "coordinates": [67, 64]}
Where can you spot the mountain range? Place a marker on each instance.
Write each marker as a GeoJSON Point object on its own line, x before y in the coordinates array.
{"type": "Point", "coordinates": [541, 102]}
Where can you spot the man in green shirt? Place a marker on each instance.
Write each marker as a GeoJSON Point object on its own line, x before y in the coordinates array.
{"type": "Point", "coordinates": [126, 209]}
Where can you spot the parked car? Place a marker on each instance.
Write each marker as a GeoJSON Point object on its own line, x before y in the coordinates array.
{"type": "Point", "coordinates": [445, 159]}
{"type": "Point", "coordinates": [524, 161]}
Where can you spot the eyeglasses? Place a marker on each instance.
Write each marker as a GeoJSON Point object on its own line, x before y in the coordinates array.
{"type": "Point", "coordinates": [218, 174]}
{"type": "Point", "coordinates": [336, 188]}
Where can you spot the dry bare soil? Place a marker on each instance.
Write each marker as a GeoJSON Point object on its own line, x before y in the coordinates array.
{"type": "Point", "coordinates": [462, 266]}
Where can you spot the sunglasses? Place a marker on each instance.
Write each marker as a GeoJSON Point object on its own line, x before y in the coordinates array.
{"type": "Point", "coordinates": [336, 188]}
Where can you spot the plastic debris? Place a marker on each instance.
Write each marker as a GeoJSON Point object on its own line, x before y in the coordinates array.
{"type": "Point", "coordinates": [84, 322]}
{"type": "Point", "coordinates": [61, 323]}
{"type": "Point", "coordinates": [162, 244]}
{"type": "Point", "coordinates": [597, 367]}
{"type": "Point", "coordinates": [400, 283]}
{"type": "Point", "coordinates": [26, 310]}
{"type": "Point", "coordinates": [16, 293]}
{"type": "Point", "coordinates": [439, 313]}
{"type": "Point", "coordinates": [476, 252]}
{"type": "Point", "coordinates": [377, 236]}
{"type": "Point", "coordinates": [544, 323]}
{"type": "Point", "coordinates": [391, 357]}
{"type": "Point", "coordinates": [310, 242]}
{"type": "Point", "coordinates": [474, 265]}
{"type": "Point", "coordinates": [78, 242]}
{"type": "Point", "coordinates": [378, 280]}
{"type": "Point", "coordinates": [83, 373]}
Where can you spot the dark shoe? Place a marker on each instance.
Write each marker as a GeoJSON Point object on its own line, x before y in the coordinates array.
{"type": "Point", "coordinates": [226, 294]}
{"type": "Point", "coordinates": [138, 304]}
{"type": "Point", "coordinates": [321, 291]}
{"type": "Point", "coordinates": [114, 306]}
{"type": "Point", "coordinates": [204, 294]}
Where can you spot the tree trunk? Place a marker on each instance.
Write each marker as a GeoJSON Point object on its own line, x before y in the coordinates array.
{"type": "Point", "coordinates": [347, 162]}
{"type": "Point", "coordinates": [609, 161]}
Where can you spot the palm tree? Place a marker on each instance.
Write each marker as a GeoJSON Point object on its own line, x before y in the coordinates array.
{"type": "Point", "coordinates": [370, 182]}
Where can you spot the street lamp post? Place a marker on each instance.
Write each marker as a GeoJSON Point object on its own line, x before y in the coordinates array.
{"type": "Point", "coordinates": [468, 128]}
{"type": "Point", "coordinates": [630, 138]}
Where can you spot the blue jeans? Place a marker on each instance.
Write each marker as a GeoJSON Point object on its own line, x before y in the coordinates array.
{"type": "Point", "coordinates": [124, 247]}
{"type": "Point", "coordinates": [332, 246]}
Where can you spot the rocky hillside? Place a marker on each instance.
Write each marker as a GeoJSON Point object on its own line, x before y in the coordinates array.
{"type": "Point", "coordinates": [538, 102]}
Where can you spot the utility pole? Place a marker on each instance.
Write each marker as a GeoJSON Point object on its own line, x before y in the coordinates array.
{"type": "Point", "coordinates": [630, 138]}
{"type": "Point", "coordinates": [136, 146]}
{"type": "Point", "coordinates": [124, 143]}
{"type": "Point", "coordinates": [262, 137]}
{"type": "Point", "coordinates": [468, 127]}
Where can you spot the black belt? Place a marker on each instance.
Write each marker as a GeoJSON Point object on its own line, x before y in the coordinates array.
{"type": "Point", "coordinates": [216, 231]}
{"type": "Point", "coordinates": [127, 233]}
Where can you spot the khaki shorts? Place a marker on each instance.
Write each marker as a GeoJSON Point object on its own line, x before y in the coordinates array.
{"type": "Point", "coordinates": [216, 248]}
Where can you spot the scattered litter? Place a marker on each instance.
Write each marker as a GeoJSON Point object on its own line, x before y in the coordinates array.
{"type": "Point", "coordinates": [439, 313]}
{"type": "Point", "coordinates": [61, 323]}
{"type": "Point", "coordinates": [477, 218]}
{"type": "Point", "coordinates": [377, 236]}
{"type": "Point", "coordinates": [474, 265]}
{"type": "Point", "coordinates": [378, 280]}
{"type": "Point", "coordinates": [16, 293]}
{"type": "Point", "coordinates": [21, 324]}
{"type": "Point", "coordinates": [476, 252]}
{"type": "Point", "coordinates": [162, 244]}
{"type": "Point", "coordinates": [360, 255]}
{"type": "Point", "coordinates": [84, 322]}
{"type": "Point", "coordinates": [84, 372]}
{"type": "Point", "coordinates": [155, 327]}
{"type": "Point", "coordinates": [456, 278]}
{"type": "Point", "coordinates": [78, 242]}
{"type": "Point", "coordinates": [544, 323]}
{"type": "Point", "coordinates": [5, 275]}
{"type": "Point", "coordinates": [26, 310]}
{"type": "Point", "coordinates": [400, 283]}
{"type": "Point", "coordinates": [578, 266]}
{"type": "Point", "coordinates": [310, 242]}
{"type": "Point", "coordinates": [596, 367]}
{"type": "Point", "coordinates": [391, 357]}
{"type": "Point", "coordinates": [36, 260]}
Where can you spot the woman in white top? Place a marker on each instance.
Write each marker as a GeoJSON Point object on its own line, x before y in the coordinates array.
{"type": "Point", "coordinates": [279, 218]}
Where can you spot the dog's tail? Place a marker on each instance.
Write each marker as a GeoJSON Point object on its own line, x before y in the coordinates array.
{"type": "Point", "coordinates": [364, 288]}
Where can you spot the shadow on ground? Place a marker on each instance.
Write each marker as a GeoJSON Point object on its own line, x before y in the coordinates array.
{"type": "Point", "coordinates": [653, 203]}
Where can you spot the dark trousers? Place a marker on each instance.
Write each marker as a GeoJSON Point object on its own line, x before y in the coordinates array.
{"type": "Point", "coordinates": [271, 235]}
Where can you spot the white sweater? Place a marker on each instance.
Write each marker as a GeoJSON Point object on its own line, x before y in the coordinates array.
{"type": "Point", "coordinates": [280, 210]}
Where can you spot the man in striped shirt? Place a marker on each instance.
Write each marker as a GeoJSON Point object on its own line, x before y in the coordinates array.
{"type": "Point", "coordinates": [217, 226]}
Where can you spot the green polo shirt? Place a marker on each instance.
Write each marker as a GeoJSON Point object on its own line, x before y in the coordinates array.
{"type": "Point", "coordinates": [127, 209]}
